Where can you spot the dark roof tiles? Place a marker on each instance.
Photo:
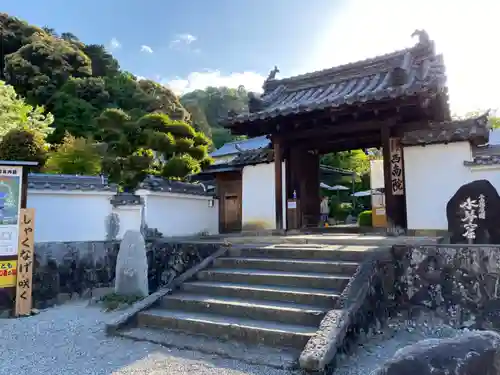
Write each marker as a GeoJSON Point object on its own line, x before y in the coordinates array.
{"type": "Point", "coordinates": [475, 130]}
{"type": "Point", "coordinates": [40, 181]}
{"type": "Point", "coordinates": [484, 155]}
{"type": "Point", "coordinates": [401, 73]}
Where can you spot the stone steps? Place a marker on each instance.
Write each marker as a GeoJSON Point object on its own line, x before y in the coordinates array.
{"type": "Point", "coordinates": [319, 252]}
{"type": "Point", "coordinates": [266, 277]}
{"type": "Point", "coordinates": [229, 328]}
{"type": "Point", "coordinates": [272, 311]}
{"type": "Point", "coordinates": [305, 296]}
{"type": "Point", "coordinates": [273, 296]}
{"type": "Point", "coordinates": [287, 265]}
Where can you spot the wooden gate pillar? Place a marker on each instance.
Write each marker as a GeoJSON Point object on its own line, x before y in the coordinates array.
{"type": "Point", "coordinates": [278, 181]}
{"type": "Point", "coordinates": [393, 179]}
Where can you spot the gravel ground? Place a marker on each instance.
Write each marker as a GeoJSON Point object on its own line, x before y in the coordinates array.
{"type": "Point", "coordinates": [377, 348]}
{"type": "Point", "coordinates": [70, 339]}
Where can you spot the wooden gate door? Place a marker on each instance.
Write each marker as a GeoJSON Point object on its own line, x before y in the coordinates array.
{"type": "Point", "coordinates": [232, 209]}
{"type": "Point", "coordinates": [230, 192]}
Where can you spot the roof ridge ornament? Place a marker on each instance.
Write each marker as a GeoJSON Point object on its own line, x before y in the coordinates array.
{"type": "Point", "coordinates": [272, 73]}
{"type": "Point", "coordinates": [423, 37]}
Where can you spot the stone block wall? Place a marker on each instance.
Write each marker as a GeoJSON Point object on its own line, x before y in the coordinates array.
{"type": "Point", "coordinates": [77, 268]}
{"type": "Point", "coordinates": [461, 283]}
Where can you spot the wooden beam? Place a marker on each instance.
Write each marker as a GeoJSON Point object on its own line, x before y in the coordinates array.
{"type": "Point", "coordinates": [386, 152]}
{"type": "Point", "coordinates": [335, 130]}
{"type": "Point", "coordinates": [355, 140]}
{"type": "Point", "coordinates": [278, 181]}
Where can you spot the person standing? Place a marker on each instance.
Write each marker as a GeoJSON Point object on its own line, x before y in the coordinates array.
{"type": "Point", "coordinates": [324, 209]}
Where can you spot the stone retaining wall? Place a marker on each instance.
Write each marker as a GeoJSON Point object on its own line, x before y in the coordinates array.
{"type": "Point", "coordinates": [365, 303]}
{"type": "Point", "coordinates": [77, 268]}
{"type": "Point", "coordinates": [460, 282]}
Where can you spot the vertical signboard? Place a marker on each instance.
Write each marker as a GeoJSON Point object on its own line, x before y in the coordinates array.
{"type": "Point", "coordinates": [397, 179]}
{"type": "Point", "coordinates": [26, 252]}
{"type": "Point", "coordinates": [10, 205]}
{"type": "Point", "coordinates": [8, 271]}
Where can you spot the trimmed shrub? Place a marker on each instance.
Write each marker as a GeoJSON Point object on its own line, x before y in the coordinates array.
{"type": "Point", "coordinates": [365, 219]}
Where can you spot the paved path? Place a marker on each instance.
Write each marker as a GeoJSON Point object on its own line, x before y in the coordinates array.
{"type": "Point", "coordinates": [70, 339]}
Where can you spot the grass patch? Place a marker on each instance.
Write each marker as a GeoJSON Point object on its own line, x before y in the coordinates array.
{"type": "Point", "coordinates": [115, 301]}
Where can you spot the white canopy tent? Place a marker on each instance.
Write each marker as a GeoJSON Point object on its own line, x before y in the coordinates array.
{"type": "Point", "coordinates": [333, 188]}
{"type": "Point", "coordinates": [364, 193]}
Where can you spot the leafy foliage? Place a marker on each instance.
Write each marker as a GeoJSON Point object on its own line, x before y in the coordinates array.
{"type": "Point", "coordinates": [16, 114]}
{"type": "Point", "coordinates": [74, 81]}
{"type": "Point", "coordinates": [77, 156]}
{"type": "Point", "coordinates": [24, 145]}
{"type": "Point", "coordinates": [208, 107]}
{"type": "Point", "coordinates": [154, 144]}
{"type": "Point", "coordinates": [365, 219]}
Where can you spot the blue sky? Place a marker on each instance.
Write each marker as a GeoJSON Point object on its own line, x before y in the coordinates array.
{"type": "Point", "coordinates": [194, 43]}
{"type": "Point", "coordinates": [223, 35]}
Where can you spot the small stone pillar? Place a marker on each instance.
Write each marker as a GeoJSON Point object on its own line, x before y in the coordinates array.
{"type": "Point", "coordinates": [128, 207]}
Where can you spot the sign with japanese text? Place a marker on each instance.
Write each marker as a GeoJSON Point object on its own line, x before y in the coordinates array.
{"type": "Point", "coordinates": [10, 203]}
{"type": "Point", "coordinates": [8, 271]}
{"type": "Point", "coordinates": [397, 178]}
{"type": "Point", "coordinates": [26, 252]}
{"type": "Point", "coordinates": [469, 218]}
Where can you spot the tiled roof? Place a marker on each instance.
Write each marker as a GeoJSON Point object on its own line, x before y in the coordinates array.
{"type": "Point", "coordinates": [475, 130]}
{"type": "Point", "coordinates": [483, 160]}
{"type": "Point", "coordinates": [249, 157]}
{"type": "Point", "coordinates": [254, 157]}
{"type": "Point", "coordinates": [484, 155]}
{"type": "Point", "coordinates": [169, 186]}
{"type": "Point", "coordinates": [236, 147]}
{"type": "Point", "coordinates": [40, 181]}
{"type": "Point", "coordinates": [406, 72]}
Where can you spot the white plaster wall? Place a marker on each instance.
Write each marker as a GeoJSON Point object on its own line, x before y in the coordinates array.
{"type": "Point", "coordinates": [180, 214]}
{"type": "Point", "coordinates": [432, 175]}
{"type": "Point", "coordinates": [69, 216]}
{"type": "Point", "coordinates": [258, 196]}
{"type": "Point", "coordinates": [376, 174]}
{"type": "Point", "coordinates": [130, 218]}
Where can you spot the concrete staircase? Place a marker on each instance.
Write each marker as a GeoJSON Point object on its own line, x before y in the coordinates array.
{"type": "Point", "coordinates": [271, 295]}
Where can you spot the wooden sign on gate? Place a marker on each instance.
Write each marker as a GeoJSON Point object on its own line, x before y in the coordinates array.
{"type": "Point", "coordinates": [25, 260]}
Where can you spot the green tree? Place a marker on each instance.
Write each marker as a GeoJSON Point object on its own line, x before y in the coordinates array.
{"type": "Point", "coordinates": [16, 114]}
{"type": "Point", "coordinates": [76, 105]}
{"type": "Point", "coordinates": [155, 144]}
{"type": "Point", "coordinates": [38, 69]}
{"type": "Point", "coordinates": [24, 145]}
{"type": "Point", "coordinates": [210, 106]}
{"type": "Point", "coordinates": [162, 99]}
{"type": "Point", "coordinates": [103, 63]}
{"type": "Point", "coordinates": [15, 33]}
{"type": "Point", "coordinates": [77, 156]}
{"type": "Point", "coordinates": [354, 160]}
{"type": "Point", "coordinates": [125, 162]}
{"type": "Point", "coordinates": [75, 81]}
{"type": "Point", "coordinates": [220, 136]}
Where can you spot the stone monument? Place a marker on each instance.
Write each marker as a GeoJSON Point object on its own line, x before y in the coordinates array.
{"type": "Point", "coordinates": [132, 266]}
{"type": "Point", "coordinates": [473, 214]}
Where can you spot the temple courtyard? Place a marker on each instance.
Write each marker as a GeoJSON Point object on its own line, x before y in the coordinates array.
{"type": "Point", "coordinates": [70, 339]}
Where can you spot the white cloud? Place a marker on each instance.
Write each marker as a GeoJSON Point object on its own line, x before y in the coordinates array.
{"type": "Point", "coordinates": [145, 48]}
{"type": "Point", "coordinates": [114, 43]}
{"type": "Point", "coordinates": [201, 80]}
{"type": "Point", "coordinates": [182, 39]}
